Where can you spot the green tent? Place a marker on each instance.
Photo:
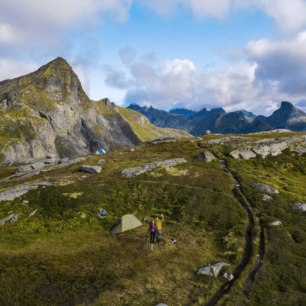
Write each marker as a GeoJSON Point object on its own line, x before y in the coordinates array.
{"type": "Point", "coordinates": [125, 223]}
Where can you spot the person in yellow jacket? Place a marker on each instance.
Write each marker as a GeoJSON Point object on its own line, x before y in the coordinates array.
{"type": "Point", "coordinates": [159, 228]}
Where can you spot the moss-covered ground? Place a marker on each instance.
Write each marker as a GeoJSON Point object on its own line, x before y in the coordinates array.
{"type": "Point", "coordinates": [65, 255]}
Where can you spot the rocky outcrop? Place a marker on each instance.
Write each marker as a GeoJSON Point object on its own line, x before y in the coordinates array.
{"type": "Point", "coordinates": [274, 148]}
{"type": "Point", "coordinates": [91, 169]}
{"type": "Point", "coordinates": [150, 166]}
{"type": "Point", "coordinates": [47, 112]}
{"type": "Point", "coordinates": [264, 188]}
{"type": "Point", "coordinates": [206, 156]}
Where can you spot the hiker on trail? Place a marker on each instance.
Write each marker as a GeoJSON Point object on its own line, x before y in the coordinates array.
{"type": "Point", "coordinates": [152, 230]}
{"type": "Point", "coordinates": [159, 228]}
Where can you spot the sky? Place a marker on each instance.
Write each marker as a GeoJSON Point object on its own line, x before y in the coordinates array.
{"type": "Point", "coordinates": [235, 54]}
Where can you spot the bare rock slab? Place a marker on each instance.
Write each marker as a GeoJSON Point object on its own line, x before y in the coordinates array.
{"type": "Point", "coordinates": [206, 156]}
{"type": "Point", "coordinates": [242, 153]}
{"type": "Point", "coordinates": [300, 207]}
{"type": "Point", "coordinates": [274, 148]}
{"type": "Point", "coordinates": [91, 169]}
{"type": "Point", "coordinates": [14, 219]}
{"type": "Point", "coordinates": [38, 165]}
{"type": "Point", "coordinates": [32, 213]}
{"type": "Point", "coordinates": [264, 188]}
{"type": "Point", "coordinates": [12, 194]}
{"type": "Point", "coordinates": [8, 218]}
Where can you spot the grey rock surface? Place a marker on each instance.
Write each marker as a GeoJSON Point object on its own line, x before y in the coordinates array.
{"type": "Point", "coordinates": [150, 166]}
{"type": "Point", "coordinates": [14, 219]}
{"type": "Point", "coordinates": [206, 156]}
{"type": "Point", "coordinates": [8, 218]}
{"type": "Point", "coordinates": [50, 161]}
{"type": "Point", "coordinates": [223, 140]}
{"type": "Point", "coordinates": [49, 155]}
{"type": "Point", "coordinates": [22, 169]}
{"type": "Point", "coordinates": [37, 166]}
{"type": "Point", "coordinates": [275, 223]}
{"type": "Point", "coordinates": [16, 192]}
{"type": "Point", "coordinates": [264, 188]}
{"type": "Point", "coordinates": [274, 148]}
{"type": "Point", "coordinates": [299, 149]}
{"type": "Point", "coordinates": [213, 270]}
{"type": "Point", "coordinates": [242, 153]}
{"type": "Point", "coordinates": [91, 169]}
{"type": "Point", "coordinates": [63, 160]}
{"type": "Point", "coordinates": [266, 197]}
{"type": "Point", "coordinates": [300, 207]}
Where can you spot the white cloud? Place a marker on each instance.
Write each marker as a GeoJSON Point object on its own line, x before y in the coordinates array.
{"type": "Point", "coordinates": [289, 15]}
{"type": "Point", "coordinates": [10, 69]}
{"type": "Point", "coordinates": [79, 70]}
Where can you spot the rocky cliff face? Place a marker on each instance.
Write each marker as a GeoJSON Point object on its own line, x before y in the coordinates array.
{"type": "Point", "coordinates": [47, 111]}
{"type": "Point", "coordinates": [288, 116]}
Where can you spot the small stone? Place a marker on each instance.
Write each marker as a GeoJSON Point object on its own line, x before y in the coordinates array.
{"type": "Point", "coordinates": [132, 150]}
{"type": "Point", "coordinates": [213, 270]}
{"type": "Point", "coordinates": [25, 202]}
{"type": "Point", "coordinates": [275, 223]}
{"type": "Point", "coordinates": [32, 213]}
{"type": "Point", "coordinates": [266, 197]}
{"type": "Point", "coordinates": [101, 161]}
{"type": "Point", "coordinates": [286, 188]}
{"type": "Point", "coordinates": [243, 153]}
{"type": "Point", "coordinates": [84, 176]}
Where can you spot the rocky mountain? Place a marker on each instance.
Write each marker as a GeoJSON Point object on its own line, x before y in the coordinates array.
{"type": "Point", "coordinates": [192, 115]}
{"type": "Point", "coordinates": [248, 115]}
{"type": "Point", "coordinates": [162, 118]}
{"type": "Point", "coordinates": [182, 111]}
{"type": "Point", "coordinates": [47, 111]}
{"type": "Point", "coordinates": [287, 116]}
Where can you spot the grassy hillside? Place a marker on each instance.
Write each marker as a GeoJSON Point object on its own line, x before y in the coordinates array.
{"type": "Point", "coordinates": [143, 129]}
{"type": "Point", "coordinates": [65, 255]}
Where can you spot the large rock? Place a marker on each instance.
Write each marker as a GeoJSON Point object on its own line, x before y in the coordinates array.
{"type": "Point", "coordinates": [274, 148]}
{"type": "Point", "coordinates": [206, 156]}
{"type": "Point", "coordinates": [51, 155]}
{"type": "Point", "coordinates": [264, 188]}
{"type": "Point", "coordinates": [150, 166]}
{"type": "Point", "coordinates": [91, 169]}
{"type": "Point", "coordinates": [213, 270]}
{"type": "Point", "coordinates": [242, 153]}
{"type": "Point", "coordinates": [38, 165]}
{"type": "Point", "coordinates": [22, 169]}
{"type": "Point", "coordinates": [12, 194]}
{"type": "Point", "coordinates": [50, 161]}
{"type": "Point", "coordinates": [300, 207]}
{"type": "Point", "coordinates": [223, 140]}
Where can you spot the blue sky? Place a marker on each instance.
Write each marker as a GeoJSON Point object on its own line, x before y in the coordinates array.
{"type": "Point", "coordinates": [192, 53]}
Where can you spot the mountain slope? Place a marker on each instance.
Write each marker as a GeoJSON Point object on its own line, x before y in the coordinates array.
{"type": "Point", "coordinates": [143, 128]}
{"type": "Point", "coordinates": [288, 116]}
{"type": "Point", "coordinates": [47, 111]}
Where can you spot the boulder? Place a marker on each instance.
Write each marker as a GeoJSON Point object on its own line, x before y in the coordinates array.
{"type": "Point", "coordinates": [38, 165]}
{"type": "Point", "coordinates": [275, 223]}
{"type": "Point", "coordinates": [223, 140]}
{"type": "Point", "coordinates": [228, 276]}
{"type": "Point", "coordinates": [14, 219]}
{"type": "Point", "coordinates": [266, 197]}
{"type": "Point", "coordinates": [300, 207]}
{"type": "Point", "coordinates": [23, 169]}
{"type": "Point", "coordinates": [162, 305]}
{"type": "Point", "coordinates": [264, 188]}
{"type": "Point", "coordinates": [32, 213]}
{"type": "Point", "coordinates": [213, 270]}
{"type": "Point", "coordinates": [206, 156]}
{"type": "Point", "coordinates": [273, 148]}
{"type": "Point", "coordinates": [91, 169]}
{"type": "Point", "coordinates": [51, 155]}
{"type": "Point", "coordinates": [132, 150]}
{"type": "Point", "coordinates": [207, 132]}
{"type": "Point", "coordinates": [101, 161]}
{"type": "Point", "coordinates": [242, 153]}
{"type": "Point", "coordinates": [8, 218]}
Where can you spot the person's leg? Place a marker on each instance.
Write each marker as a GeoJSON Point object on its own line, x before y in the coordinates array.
{"type": "Point", "coordinates": [158, 236]}
{"type": "Point", "coordinates": [153, 237]}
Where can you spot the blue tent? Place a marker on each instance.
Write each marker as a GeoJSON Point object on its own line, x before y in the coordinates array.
{"type": "Point", "coordinates": [100, 151]}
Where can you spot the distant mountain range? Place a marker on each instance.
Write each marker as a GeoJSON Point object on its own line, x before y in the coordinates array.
{"type": "Point", "coordinates": [218, 121]}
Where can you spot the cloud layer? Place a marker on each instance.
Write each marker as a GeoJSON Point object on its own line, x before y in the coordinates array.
{"type": "Point", "coordinates": [272, 71]}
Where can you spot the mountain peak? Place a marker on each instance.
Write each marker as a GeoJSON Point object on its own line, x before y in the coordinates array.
{"type": "Point", "coordinates": [285, 105]}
